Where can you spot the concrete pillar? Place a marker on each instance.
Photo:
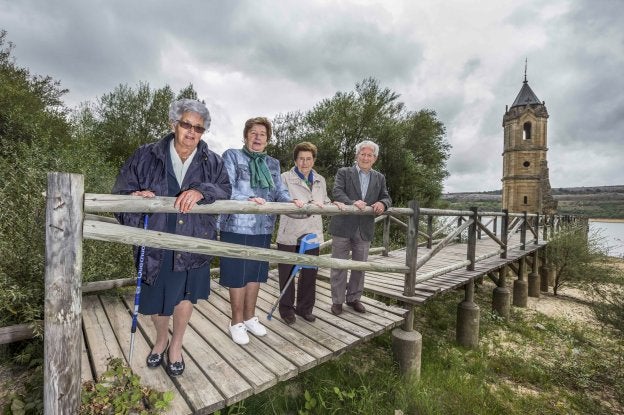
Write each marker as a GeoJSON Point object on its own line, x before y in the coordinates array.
{"type": "Point", "coordinates": [468, 319]}
{"type": "Point", "coordinates": [521, 287]}
{"type": "Point", "coordinates": [534, 277]}
{"type": "Point", "coordinates": [501, 294]}
{"type": "Point", "coordinates": [407, 351]}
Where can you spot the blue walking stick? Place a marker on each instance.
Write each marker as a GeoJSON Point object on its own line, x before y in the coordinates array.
{"type": "Point", "coordinates": [308, 242]}
{"type": "Point", "coordinates": [137, 296]}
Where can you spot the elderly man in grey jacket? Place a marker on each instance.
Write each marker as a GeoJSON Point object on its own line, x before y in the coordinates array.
{"type": "Point", "coordinates": [360, 186]}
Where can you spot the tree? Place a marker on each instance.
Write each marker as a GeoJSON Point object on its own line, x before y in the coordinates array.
{"type": "Point", "coordinates": [413, 150]}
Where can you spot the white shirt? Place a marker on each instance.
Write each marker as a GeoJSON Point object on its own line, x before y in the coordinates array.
{"type": "Point", "coordinates": [180, 167]}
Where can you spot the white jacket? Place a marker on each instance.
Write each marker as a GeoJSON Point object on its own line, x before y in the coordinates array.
{"type": "Point", "coordinates": [293, 226]}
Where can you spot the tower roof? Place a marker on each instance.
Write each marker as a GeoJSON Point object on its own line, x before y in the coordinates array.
{"type": "Point", "coordinates": [526, 96]}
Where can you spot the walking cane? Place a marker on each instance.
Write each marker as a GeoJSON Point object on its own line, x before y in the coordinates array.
{"type": "Point", "coordinates": [137, 296]}
{"type": "Point", "coordinates": [305, 245]}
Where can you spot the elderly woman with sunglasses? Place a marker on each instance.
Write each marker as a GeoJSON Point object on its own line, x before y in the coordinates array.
{"type": "Point", "coordinates": [180, 165]}
{"type": "Point", "coordinates": [255, 177]}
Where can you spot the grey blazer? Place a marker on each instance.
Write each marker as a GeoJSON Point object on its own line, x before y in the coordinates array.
{"type": "Point", "coordinates": [347, 190]}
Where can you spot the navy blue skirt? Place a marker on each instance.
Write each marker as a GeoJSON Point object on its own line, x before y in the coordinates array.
{"type": "Point", "coordinates": [171, 287]}
{"type": "Point", "coordinates": [236, 273]}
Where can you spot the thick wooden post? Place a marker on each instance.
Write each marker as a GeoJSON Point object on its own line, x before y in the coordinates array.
{"type": "Point", "coordinates": [460, 220]}
{"type": "Point", "coordinates": [63, 300]}
{"type": "Point", "coordinates": [479, 218]}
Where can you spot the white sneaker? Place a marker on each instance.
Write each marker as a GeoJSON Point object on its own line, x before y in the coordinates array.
{"type": "Point", "coordinates": [239, 333]}
{"type": "Point", "coordinates": [254, 326]}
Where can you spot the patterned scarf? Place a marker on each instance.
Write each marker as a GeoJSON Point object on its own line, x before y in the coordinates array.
{"type": "Point", "coordinates": [309, 180]}
{"type": "Point", "coordinates": [260, 174]}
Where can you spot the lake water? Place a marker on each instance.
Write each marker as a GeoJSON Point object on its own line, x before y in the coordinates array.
{"type": "Point", "coordinates": [613, 234]}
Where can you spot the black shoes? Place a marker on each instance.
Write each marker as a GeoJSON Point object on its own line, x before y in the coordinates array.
{"type": "Point", "coordinates": [155, 359]}
{"type": "Point", "coordinates": [357, 306]}
{"type": "Point", "coordinates": [336, 309]}
{"type": "Point", "coordinates": [309, 317]}
{"type": "Point", "coordinates": [176, 368]}
{"type": "Point", "coordinates": [289, 319]}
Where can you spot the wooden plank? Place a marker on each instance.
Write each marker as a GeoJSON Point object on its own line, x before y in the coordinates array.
{"type": "Point", "coordinates": [100, 337]}
{"type": "Point", "coordinates": [155, 378]}
{"type": "Point", "coordinates": [313, 348]}
{"type": "Point", "coordinates": [236, 355]}
{"type": "Point", "coordinates": [319, 333]}
{"type": "Point", "coordinates": [273, 361]}
{"type": "Point", "coordinates": [288, 350]}
{"type": "Point", "coordinates": [228, 381]}
{"type": "Point", "coordinates": [85, 367]}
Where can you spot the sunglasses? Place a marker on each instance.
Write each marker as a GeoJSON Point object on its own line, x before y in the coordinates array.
{"type": "Point", "coordinates": [188, 126]}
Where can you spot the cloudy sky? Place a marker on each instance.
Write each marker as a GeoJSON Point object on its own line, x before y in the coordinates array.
{"type": "Point", "coordinates": [248, 58]}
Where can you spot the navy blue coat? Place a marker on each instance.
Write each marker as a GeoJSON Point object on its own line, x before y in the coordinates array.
{"type": "Point", "coordinates": [147, 170]}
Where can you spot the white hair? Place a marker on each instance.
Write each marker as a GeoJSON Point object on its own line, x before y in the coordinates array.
{"type": "Point", "coordinates": [179, 107]}
{"type": "Point", "coordinates": [369, 144]}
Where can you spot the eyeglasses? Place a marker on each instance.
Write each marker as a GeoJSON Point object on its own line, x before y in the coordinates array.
{"type": "Point", "coordinates": [188, 126]}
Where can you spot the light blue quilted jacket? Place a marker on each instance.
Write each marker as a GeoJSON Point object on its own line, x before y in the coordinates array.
{"type": "Point", "coordinates": [237, 165]}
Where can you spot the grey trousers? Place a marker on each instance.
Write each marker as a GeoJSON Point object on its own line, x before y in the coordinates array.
{"type": "Point", "coordinates": [352, 290]}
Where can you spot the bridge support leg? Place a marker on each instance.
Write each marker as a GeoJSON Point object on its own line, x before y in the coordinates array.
{"type": "Point", "coordinates": [407, 347]}
{"type": "Point", "coordinates": [502, 295]}
{"type": "Point", "coordinates": [468, 313]}
{"type": "Point", "coordinates": [521, 287]}
{"type": "Point", "coordinates": [534, 277]}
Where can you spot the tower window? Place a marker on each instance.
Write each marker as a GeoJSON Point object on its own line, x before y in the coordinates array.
{"type": "Point", "coordinates": [526, 200]}
{"type": "Point", "coordinates": [526, 164]}
{"type": "Point", "coordinates": [526, 131]}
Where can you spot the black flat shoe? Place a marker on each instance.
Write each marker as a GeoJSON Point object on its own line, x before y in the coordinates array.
{"type": "Point", "coordinates": [155, 359]}
{"type": "Point", "coordinates": [176, 368]}
{"type": "Point", "coordinates": [309, 317]}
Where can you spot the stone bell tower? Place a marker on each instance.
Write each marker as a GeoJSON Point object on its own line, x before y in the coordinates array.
{"type": "Point", "coordinates": [526, 184]}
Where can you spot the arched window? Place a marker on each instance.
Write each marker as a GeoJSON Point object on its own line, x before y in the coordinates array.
{"type": "Point", "coordinates": [526, 131]}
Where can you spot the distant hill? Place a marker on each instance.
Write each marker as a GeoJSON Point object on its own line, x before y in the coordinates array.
{"type": "Point", "coordinates": [592, 201]}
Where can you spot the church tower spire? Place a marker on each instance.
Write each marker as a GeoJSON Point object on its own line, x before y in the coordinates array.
{"type": "Point", "coordinates": [526, 185]}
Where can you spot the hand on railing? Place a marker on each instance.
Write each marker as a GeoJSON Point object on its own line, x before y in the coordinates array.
{"type": "Point", "coordinates": [339, 205]}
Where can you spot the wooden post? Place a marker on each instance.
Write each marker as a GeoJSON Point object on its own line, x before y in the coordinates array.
{"type": "Point", "coordinates": [63, 300]}
{"type": "Point", "coordinates": [479, 218]}
{"type": "Point", "coordinates": [536, 227]}
{"type": "Point", "coordinates": [460, 220]}
{"type": "Point", "coordinates": [411, 251]}
{"type": "Point", "coordinates": [523, 231]}
{"type": "Point", "coordinates": [494, 223]}
{"type": "Point", "coordinates": [429, 231]}
{"type": "Point", "coordinates": [386, 236]}
{"type": "Point", "coordinates": [504, 229]}
{"type": "Point", "coordinates": [472, 240]}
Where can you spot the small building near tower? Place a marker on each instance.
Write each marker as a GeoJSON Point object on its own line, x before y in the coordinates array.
{"type": "Point", "coordinates": [526, 185]}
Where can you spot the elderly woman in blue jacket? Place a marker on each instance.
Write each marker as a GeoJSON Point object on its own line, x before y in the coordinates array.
{"type": "Point", "coordinates": [179, 165]}
{"type": "Point", "coordinates": [255, 177]}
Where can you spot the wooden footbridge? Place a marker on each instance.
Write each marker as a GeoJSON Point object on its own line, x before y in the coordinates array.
{"type": "Point", "coordinates": [85, 327]}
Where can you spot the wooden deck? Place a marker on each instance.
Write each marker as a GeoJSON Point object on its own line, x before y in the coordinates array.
{"type": "Point", "coordinates": [390, 285]}
{"type": "Point", "coordinates": [220, 372]}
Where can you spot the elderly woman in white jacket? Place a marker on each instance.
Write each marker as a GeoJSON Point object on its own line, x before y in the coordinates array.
{"type": "Point", "coordinates": [308, 186]}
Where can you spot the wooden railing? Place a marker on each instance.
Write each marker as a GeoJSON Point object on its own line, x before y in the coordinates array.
{"type": "Point", "coordinates": [70, 217]}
